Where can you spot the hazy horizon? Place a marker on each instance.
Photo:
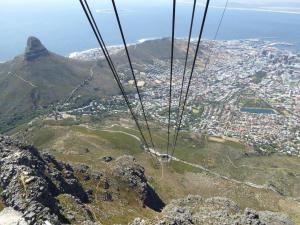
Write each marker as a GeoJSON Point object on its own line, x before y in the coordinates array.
{"type": "Point", "coordinates": [62, 26]}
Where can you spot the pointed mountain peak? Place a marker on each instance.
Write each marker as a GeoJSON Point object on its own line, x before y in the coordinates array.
{"type": "Point", "coordinates": [34, 49]}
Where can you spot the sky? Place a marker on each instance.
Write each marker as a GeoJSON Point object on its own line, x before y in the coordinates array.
{"type": "Point", "coordinates": [286, 5]}
{"type": "Point", "coordinates": [276, 5]}
{"type": "Point", "coordinates": [270, 5]}
{"type": "Point", "coordinates": [56, 22]}
{"type": "Point", "coordinates": [246, 3]}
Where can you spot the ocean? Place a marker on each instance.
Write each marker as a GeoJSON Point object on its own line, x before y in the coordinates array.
{"type": "Point", "coordinates": [64, 29]}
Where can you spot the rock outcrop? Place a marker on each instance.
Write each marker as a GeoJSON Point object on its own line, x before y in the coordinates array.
{"type": "Point", "coordinates": [194, 210]}
{"type": "Point", "coordinates": [40, 190]}
{"type": "Point", "coordinates": [44, 190]}
{"type": "Point", "coordinates": [34, 49]}
{"type": "Point", "coordinates": [9, 216]}
{"type": "Point", "coordinates": [128, 171]}
{"type": "Point", "coordinates": [31, 181]}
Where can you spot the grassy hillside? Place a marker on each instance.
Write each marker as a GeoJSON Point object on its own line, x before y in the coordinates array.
{"type": "Point", "coordinates": [38, 80]}
{"type": "Point", "coordinates": [88, 144]}
{"type": "Point", "coordinates": [158, 49]}
{"type": "Point", "coordinates": [29, 87]}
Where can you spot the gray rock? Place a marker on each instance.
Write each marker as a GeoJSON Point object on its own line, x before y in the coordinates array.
{"type": "Point", "coordinates": [34, 49]}
{"type": "Point", "coordinates": [83, 168]}
{"type": "Point", "coordinates": [274, 218]}
{"type": "Point", "coordinates": [107, 196]}
{"type": "Point", "coordinates": [70, 217]}
{"type": "Point", "coordinates": [97, 176]}
{"type": "Point", "coordinates": [9, 216]}
{"type": "Point", "coordinates": [138, 221]}
{"type": "Point", "coordinates": [106, 184]}
{"type": "Point", "coordinates": [86, 177]}
{"type": "Point", "coordinates": [130, 172]}
{"type": "Point", "coordinates": [107, 158]}
{"type": "Point", "coordinates": [218, 211]}
{"type": "Point", "coordinates": [90, 223]}
{"type": "Point", "coordinates": [31, 181]}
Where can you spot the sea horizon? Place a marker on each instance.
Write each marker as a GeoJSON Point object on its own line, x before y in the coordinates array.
{"type": "Point", "coordinates": [66, 34]}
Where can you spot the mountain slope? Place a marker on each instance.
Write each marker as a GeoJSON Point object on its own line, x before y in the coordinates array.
{"type": "Point", "coordinates": [98, 147]}
{"type": "Point", "coordinates": [44, 189]}
{"type": "Point", "coordinates": [39, 78]}
{"type": "Point", "coordinates": [147, 51]}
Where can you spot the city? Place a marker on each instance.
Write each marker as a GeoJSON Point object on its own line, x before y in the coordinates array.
{"type": "Point", "coordinates": [248, 91]}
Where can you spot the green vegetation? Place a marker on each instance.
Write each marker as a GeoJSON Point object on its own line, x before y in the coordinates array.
{"type": "Point", "coordinates": [183, 168]}
{"type": "Point", "coordinates": [258, 77]}
{"type": "Point", "coordinates": [84, 144]}
{"type": "Point", "coordinates": [31, 88]}
{"type": "Point", "coordinates": [270, 148]}
{"type": "Point", "coordinates": [119, 141]}
{"type": "Point", "coordinates": [198, 110]}
{"type": "Point", "coordinates": [2, 206]}
{"type": "Point", "coordinates": [227, 158]}
{"type": "Point", "coordinates": [293, 84]}
{"type": "Point", "coordinates": [253, 101]}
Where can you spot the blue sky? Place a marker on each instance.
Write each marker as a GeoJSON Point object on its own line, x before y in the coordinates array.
{"type": "Point", "coordinates": [285, 3]}
{"type": "Point", "coordinates": [30, 5]}
{"type": "Point", "coordinates": [61, 26]}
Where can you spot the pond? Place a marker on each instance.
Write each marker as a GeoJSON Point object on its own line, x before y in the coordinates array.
{"type": "Point", "coordinates": [257, 110]}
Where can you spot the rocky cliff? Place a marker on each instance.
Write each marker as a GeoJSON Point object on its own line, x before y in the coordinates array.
{"type": "Point", "coordinates": [132, 174]}
{"type": "Point", "coordinates": [42, 190]}
{"type": "Point", "coordinates": [34, 49]}
{"type": "Point", "coordinates": [31, 181]}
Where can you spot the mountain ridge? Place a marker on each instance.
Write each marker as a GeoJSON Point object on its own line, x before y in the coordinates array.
{"type": "Point", "coordinates": [39, 78]}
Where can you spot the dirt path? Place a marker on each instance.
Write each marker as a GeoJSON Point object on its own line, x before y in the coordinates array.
{"type": "Point", "coordinates": [162, 155]}
{"type": "Point", "coordinates": [80, 85]}
{"type": "Point", "coordinates": [22, 79]}
{"type": "Point", "coordinates": [112, 131]}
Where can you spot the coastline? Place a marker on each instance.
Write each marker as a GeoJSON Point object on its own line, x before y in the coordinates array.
{"type": "Point", "coordinates": [110, 47]}
{"type": "Point", "coordinates": [116, 48]}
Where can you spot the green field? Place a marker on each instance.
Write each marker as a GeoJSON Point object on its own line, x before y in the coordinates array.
{"type": "Point", "coordinates": [258, 77]}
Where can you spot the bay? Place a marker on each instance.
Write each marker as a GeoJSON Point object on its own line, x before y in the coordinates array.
{"type": "Point", "coordinates": [64, 28]}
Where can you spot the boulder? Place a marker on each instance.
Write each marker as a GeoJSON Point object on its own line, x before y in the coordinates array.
{"type": "Point", "coordinates": [107, 158]}
{"type": "Point", "coordinates": [129, 172]}
{"type": "Point", "coordinates": [9, 216]}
